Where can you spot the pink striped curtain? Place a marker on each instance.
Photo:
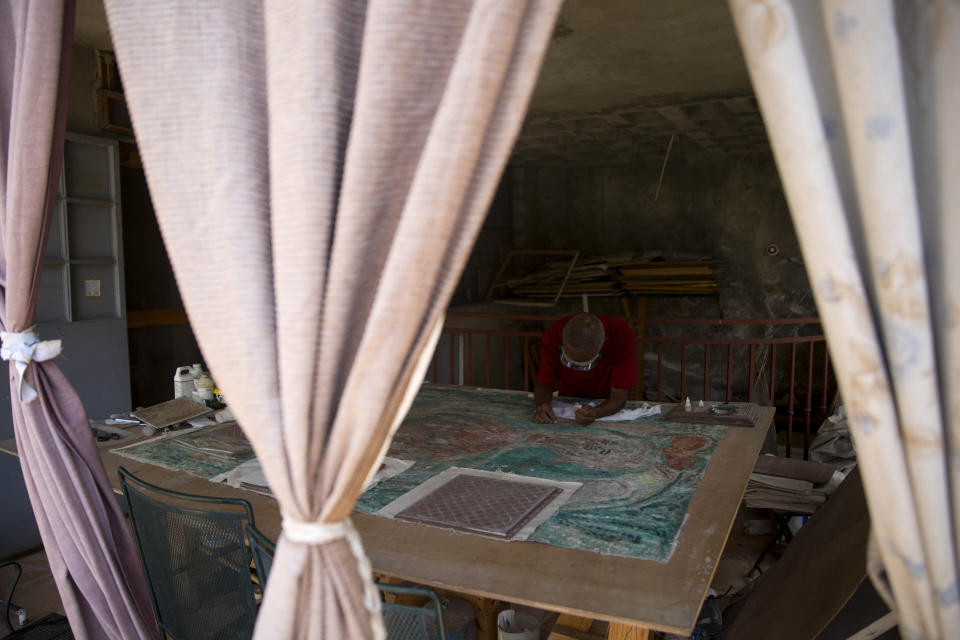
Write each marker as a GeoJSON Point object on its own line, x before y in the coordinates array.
{"type": "Point", "coordinates": [862, 105]}
{"type": "Point", "coordinates": [320, 171]}
{"type": "Point", "coordinates": [90, 550]}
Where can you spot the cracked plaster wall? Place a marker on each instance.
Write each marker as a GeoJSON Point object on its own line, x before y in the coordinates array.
{"type": "Point", "coordinates": [731, 208]}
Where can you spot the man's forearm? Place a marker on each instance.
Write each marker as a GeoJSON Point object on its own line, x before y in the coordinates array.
{"type": "Point", "coordinates": [542, 394]}
{"type": "Point", "coordinates": [616, 401]}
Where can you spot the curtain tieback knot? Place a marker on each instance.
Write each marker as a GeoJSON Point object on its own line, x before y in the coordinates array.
{"type": "Point", "coordinates": [315, 533]}
{"type": "Point", "coordinates": [22, 348]}
{"type": "Point", "coordinates": [319, 533]}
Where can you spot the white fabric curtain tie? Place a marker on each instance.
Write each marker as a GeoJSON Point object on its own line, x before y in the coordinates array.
{"type": "Point", "coordinates": [318, 533]}
{"type": "Point", "coordinates": [23, 348]}
{"type": "Point", "coordinates": [315, 532]}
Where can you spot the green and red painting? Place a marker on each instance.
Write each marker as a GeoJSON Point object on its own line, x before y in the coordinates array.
{"type": "Point", "coordinates": [638, 477]}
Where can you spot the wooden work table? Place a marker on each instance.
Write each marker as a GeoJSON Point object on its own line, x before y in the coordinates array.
{"type": "Point", "coordinates": [639, 594]}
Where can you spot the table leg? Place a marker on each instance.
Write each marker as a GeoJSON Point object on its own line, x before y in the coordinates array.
{"type": "Point", "coordinates": [570, 627]}
{"type": "Point", "coordinates": [620, 631]}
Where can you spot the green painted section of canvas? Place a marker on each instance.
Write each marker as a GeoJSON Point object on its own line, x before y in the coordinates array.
{"type": "Point", "coordinates": [205, 452]}
{"type": "Point", "coordinates": [638, 477]}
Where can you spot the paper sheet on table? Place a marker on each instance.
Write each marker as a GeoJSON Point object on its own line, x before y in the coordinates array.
{"type": "Point", "coordinates": [388, 468]}
{"type": "Point", "coordinates": [249, 475]}
{"type": "Point", "coordinates": [565, 411]}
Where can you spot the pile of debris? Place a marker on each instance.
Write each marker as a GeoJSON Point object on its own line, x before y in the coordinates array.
{"type": "Point", "coordinates": [792, 486]}
{"type": "Point", "coordinates": [648, 273]}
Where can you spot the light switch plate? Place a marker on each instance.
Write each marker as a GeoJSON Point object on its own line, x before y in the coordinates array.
{"type": "Point", "coordinates": [91, 288]}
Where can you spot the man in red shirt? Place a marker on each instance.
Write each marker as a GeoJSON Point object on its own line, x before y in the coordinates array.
{"type": "Point", "coordinates": [586, 356]}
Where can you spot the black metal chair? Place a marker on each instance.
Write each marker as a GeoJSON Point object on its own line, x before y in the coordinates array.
{"type": "Point", "coordinates": [402, 621]}
{"type": "Point", "coordinates": [48, 627]}
{"type": "Point", "coordinates": [420, 614]}
{"type": "Point", "coordinates": [406, 622]}
{"type": "Point", "coordinates": [262, 549]}
{"type": "Point", "coordinates": [195, 559]}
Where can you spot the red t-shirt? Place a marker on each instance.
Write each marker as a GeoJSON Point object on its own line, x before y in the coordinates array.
{"type": "Point", "coordinates": [617, 366]}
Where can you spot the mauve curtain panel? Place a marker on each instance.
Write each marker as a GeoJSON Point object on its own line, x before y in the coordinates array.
{"type": "Point", "coordinates": [862, 106]}
{"type": "Point", "coordinates": [320, 171]}
{"type": "Point", "coordinates": [90, 550]}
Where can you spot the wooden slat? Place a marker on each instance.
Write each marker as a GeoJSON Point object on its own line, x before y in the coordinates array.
{"type": "Point", "coordinates": [620, 631]}
{"type": "Point", "coordinates": [9, 446]}
{"type": "Point", "coordinates": [138, 318]}
{"type": "Point", "coordinates": [817, 472]}
{"type": "Point", "coordinates": [570, 627]}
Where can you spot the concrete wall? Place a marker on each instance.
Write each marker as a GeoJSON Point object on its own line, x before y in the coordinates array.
{"type": "Point", "coordinates": [149, 283]}
{"type": "Point", "coordinates": [496, 234]}
{"type": "Point", "coordinates": [81, 108]}
{"type": "Point", "coordinates": [731, 208]}
{"type": "Point", "coordinates": [154, 351]}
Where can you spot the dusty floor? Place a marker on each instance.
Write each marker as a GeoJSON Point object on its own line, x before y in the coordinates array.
{"type": "Point", "coordinates": [36, 591]}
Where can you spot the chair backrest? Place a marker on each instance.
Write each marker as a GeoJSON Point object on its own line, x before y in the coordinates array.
{"type": "Point", "coordinates": [195, 560]}
{"type": "Point", "coordinates": [262, 549]}
{"type": "Point", "coordinates": [406, 622]}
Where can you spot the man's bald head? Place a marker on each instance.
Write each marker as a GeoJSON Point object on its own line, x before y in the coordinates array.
{"type": "Point", "coordinates": [583, 334]}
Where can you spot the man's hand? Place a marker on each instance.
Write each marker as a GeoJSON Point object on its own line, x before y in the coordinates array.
{"type": "Point", "coordinates": [544, 414]}
{"type": "Point", "coordinates": [585, 414]}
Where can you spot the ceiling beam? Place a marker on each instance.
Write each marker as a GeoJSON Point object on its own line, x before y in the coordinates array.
{"type": "Point", "coordinates": [689, 128]}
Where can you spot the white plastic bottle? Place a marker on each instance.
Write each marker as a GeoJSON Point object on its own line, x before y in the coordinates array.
{"type": "Point", "coordinates": [183, 381]}
{"type": "Point", "coordinates": [205, 388]}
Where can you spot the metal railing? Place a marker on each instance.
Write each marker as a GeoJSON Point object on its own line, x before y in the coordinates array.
{"type": "Point", "coordinates": [674, 360]}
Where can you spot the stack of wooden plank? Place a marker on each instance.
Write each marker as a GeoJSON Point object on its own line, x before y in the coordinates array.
{"type": "Point", "coordinates": [793, 486]}
{"type": "Point", "coordinates": [637, 274]}
{"type": "Point", "coordinates": [782, 494]}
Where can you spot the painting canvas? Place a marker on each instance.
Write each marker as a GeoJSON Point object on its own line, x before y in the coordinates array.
{"type": "Point", "coordinates": [638, 477]}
